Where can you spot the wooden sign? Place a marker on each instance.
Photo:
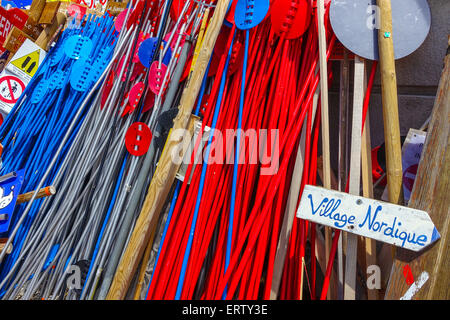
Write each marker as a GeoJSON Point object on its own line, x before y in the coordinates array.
{"type": "Point", "coordinates": [15, 39]}
{"type": "Point", "coordinates": [401, 226]}
{"type": "Point", "coordinates": [32, 28]}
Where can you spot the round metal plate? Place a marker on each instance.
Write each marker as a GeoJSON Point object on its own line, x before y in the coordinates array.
{"type": "Point", "coordinates": [354, 23]}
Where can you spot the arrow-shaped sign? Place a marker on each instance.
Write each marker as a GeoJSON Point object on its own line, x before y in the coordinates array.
{"type": "Point", "coordinates": [401, 226]}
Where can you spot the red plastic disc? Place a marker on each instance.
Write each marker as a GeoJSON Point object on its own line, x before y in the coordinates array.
{"type": "Point", "coordinates": [282, 10]}
{"type": "Point", "coordinates": [134, 96]}
{"type": "Point", "coordinates": [156, 76]}
{"type": "Point", "coordinates": [138, 139]}
{"type": "Point", "coordinates": [120, 19]}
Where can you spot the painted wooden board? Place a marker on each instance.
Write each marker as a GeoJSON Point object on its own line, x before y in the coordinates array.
{"type": "Point", "coordinates": [15, 39]}
{"type": "Point", "coordinates": [400, 226]}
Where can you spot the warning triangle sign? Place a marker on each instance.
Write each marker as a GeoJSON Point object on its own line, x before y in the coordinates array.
{"type": "Point", "coordinates": [28, 63]}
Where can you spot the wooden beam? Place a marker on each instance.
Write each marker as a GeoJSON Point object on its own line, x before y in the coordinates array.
{"type": "Point", "coordinates": [166, 170]}
{"type": "Point", "coordinates": [431, 194]}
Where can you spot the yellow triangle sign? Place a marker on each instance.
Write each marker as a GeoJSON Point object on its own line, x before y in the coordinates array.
{"type": "Point", "coordinates": [28, 63]}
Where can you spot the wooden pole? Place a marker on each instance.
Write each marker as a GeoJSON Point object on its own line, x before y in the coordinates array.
{"type": "Point", "coordinates": [44, 192]}
{"type": "Point", "coordinates": [165, 172]}
{"type": "Point", "coordinates": [390, 103]}
{"type": "Point", "coordinates": [325, 119]}
{"type": "Point", "coordinates": [430, 193]}
{"type": "Point", "coordinates": [344, 86]}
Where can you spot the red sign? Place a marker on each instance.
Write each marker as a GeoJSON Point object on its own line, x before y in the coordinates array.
{"type": "Point", "coordinates": [11, 88]}
{"type": "Point", "coordinates": [8, 19]}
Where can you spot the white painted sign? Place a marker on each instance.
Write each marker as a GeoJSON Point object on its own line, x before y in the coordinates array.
{"type": "Point", "coordinates": [26, 60]}
{"type": "Point", "coordinates": [401, 226]}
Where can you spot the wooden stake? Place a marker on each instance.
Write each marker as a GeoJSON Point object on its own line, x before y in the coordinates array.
{"type": "Point", "coordinates": [165, 172]}
{"type": "Point", "coordinates": [355, 173]}
{"type": "Point", "coordinates": [325, 117]}
{"type": "Point", "coordinates": [344, 89]}
{"type": "Point", "coordinates": [390, 104]}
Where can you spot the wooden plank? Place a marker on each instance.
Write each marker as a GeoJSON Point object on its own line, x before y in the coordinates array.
{"type": "Point", "coordinates": [355, 173]}
{"type": "Point", "coordinates": [430, 193]}
{"type": "Point", "coordinates": [155, 230]}
{"type": "Point", "coordinates": [165, 172]}
{"type": "Point", "coordinates": [390, 103]}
